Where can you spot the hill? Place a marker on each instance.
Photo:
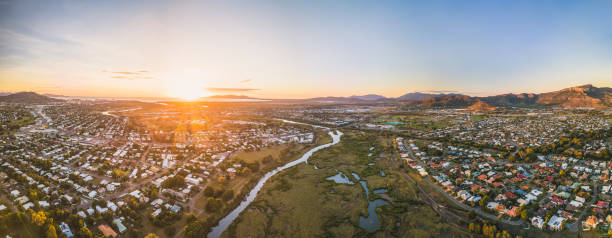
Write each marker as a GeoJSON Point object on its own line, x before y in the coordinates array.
{"type": "Point", "coordinates": [419, 96]}
{"type": "Point", "coordinates": [481, 106]}
{"type": "Point", "coordinates": [27, 97]}
{"type": "Point", "coordinates": [415, 96]}
{"type": "Point", "coordinates": [585, 96]}
{"type": "Point", "coordinates": [369, 97]}
{"type": "Point", "coordinates": [447, 101]}
{"type": "Point", "coordinates": [522, 99]}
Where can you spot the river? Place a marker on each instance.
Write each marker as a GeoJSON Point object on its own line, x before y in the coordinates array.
{"type": "Point", "coordinates": [227, 220]}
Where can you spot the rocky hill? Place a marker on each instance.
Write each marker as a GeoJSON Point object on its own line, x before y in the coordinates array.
{"type": "Point", "coordinates": [27, 97]}
{"type": "Point", "coordinates": [448, 101]}
{"type": "Point", "coordinates": [586, 96]}
{"type": "Point", "coordinates": [482, 106]}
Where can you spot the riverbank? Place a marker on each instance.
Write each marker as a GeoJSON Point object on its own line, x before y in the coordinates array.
{"type": "Point", "coordinates": [227, 221]}
{"type": "Point", "coordinates": [302, 202]}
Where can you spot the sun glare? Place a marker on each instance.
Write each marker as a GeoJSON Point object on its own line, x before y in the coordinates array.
{"type": "Point", "coordinates": [186, 91]}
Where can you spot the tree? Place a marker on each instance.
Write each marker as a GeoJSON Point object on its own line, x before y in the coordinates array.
{"type": "Point", "coordinates": [119, 174]}
{"type": "Point", "coordinates": [177, 181]}
{"type": "Point", "coordinates": [483, 201]}
{"type": "Point", "coordinates": [85, 232]}
{"type": "Point", "coordinates": [151, 235]}
{"type": "Point", "coordinates": [213, 205]}
{"type": "Point", "coordinates": [524, 214]}
{"type": "Point", "coordinates": [209, 191]}
{"type": "Point", "coordinates": [191, 217]}
{"type": "Point", "coordinates": [194, 229]}
{"type": "Point", "coordinates": [228, 195]}
{"type": "Point", "coordinates": [39, 218]}
{"type": "Point", "coordinates": [51, 233]}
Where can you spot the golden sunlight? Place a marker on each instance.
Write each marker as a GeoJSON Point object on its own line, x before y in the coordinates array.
{"type": "Point", "coordinates": [186, 91]}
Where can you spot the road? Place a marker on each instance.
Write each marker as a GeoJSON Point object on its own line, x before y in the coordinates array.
{"type": "Point", "coordinates": [477, 210]}
{"type": "Point", "coordinates": [575, 225]}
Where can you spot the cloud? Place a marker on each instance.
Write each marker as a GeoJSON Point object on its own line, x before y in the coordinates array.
{"type": "Point", "coordinates": [246, 80]}
{"type": "Point", "coordinates": [231, 90]}
{"type": "Point", "coordinates": [124, 72]}
{"type": "Point", "coordinates": [130, 75]}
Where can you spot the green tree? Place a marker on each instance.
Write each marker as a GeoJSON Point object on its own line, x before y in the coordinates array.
{"type": "Point", "coordinates": [51, 232]}
{"type": "Point", "coordinates": [228, 195]}
{"type": "Point", "coordinates": [524, 214]}
{"type": "Point", "coordinates": [209, 191]}
{"type": "Point", "coordinates": [194, 229]}
{"type": "Point", "coordinates": [151, 235]}
{"type": "Point", "coordinates": [39, 218]}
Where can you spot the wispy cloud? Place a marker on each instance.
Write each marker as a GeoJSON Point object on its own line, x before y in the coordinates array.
{"type": "Point", "coordinates": [130, 75]}
{"type": "Point", "coordinates": [231, 90]}
{"type": "Point", "coordinates": [246, 80]}
{"type": "Point", "coordinates": [125, 72]}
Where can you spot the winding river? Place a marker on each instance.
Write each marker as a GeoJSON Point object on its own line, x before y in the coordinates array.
{"type": "Point", "coordinates": [227, 220]}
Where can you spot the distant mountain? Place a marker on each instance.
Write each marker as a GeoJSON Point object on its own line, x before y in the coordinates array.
{"type": "Point", "coordinates": [447, 101]}
{"type": "Point", "coordinates": [27, 97]}
{"type": "Point", "coordinates": [332, 100]}
{"type": "Point", "coordinates": [420, 96]}
{"type": "Point", "coordinates": [576, 97]}
{"type": "Point", "coordinates": [523, 99]}
{"type": "Point", "coordinates": [585, 96]}
{"type": "Point", "coordinates": [376, 98]}
{"type": "Point", "coordinates": [369, 97]}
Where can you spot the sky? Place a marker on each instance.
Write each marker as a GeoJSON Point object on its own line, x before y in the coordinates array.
{"type": "Point", "coordinates": [301, 49]}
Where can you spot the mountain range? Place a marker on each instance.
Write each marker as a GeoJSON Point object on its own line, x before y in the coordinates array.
{"type": "Point", "coordinates": [376, 98]}
{"type": "Point", "coordinates": [585, 96]}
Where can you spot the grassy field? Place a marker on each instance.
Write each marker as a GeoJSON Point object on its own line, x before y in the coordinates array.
{"type": "Point", "coordinates": [14, 125]}
{"type": "Point", "coordinates": [300, 202]}
{"type": "Point", "coordinates": [413, 122]}
{"type": "Point", "coordinates": [240, 185]}
{"type": "Point", "coordinates": [479, 117]}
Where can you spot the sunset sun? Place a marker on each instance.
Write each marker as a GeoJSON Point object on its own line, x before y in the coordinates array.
{"type": "Point", "coordinates": [186, 91]}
